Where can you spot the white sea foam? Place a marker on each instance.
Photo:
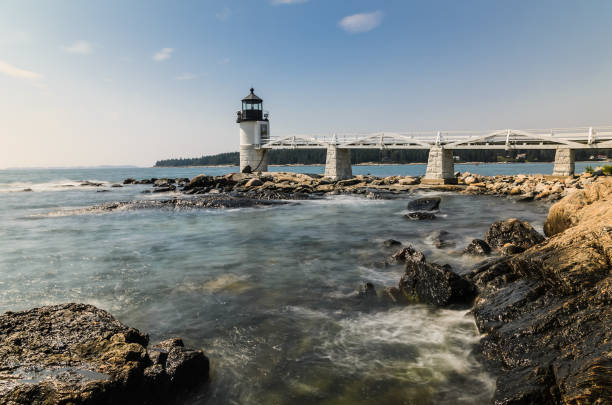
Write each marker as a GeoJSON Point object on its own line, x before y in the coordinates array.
{"type": "Point", "coordinates": [422, 345]}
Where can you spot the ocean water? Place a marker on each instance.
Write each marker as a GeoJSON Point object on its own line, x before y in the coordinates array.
{"type": "Point", "coordinates": [270, 294]}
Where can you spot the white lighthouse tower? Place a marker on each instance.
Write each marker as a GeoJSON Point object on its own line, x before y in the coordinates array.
{"type": "Point", "coordinates": [254, 132]}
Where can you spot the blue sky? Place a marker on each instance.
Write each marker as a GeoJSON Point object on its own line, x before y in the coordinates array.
{"type": "Point", "coordinates": [131, 82]}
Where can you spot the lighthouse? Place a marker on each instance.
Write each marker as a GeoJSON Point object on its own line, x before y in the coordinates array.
{"type": "Point", "coordinates": [254, 132]}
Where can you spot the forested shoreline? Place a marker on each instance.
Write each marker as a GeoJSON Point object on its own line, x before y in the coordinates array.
{"type": "Point", "coordinates": [399, 156]}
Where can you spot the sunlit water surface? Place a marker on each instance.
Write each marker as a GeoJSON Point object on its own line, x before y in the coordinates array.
{"type": "Point", "coordinates": [268, 293]}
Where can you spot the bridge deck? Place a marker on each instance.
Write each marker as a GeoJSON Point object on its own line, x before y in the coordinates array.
{"type": "Point", "coordinates": [573, 138]}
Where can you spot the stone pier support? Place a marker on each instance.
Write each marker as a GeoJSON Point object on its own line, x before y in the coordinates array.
{"type": "Point", "coordinates": [440, 167]}
{"type": "Point", "coordinates": [338, 163]}
{"type": "Point", "coordinates": [564, 162]}
{"type": "Point", "coordinates": [256, 158]}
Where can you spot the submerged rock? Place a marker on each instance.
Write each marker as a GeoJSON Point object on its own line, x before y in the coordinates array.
{"type": "Point", "coordinates": [424, 204]}
{"type": "Point", "coordinates": [441, 240]}
{"type": "Point", "coordinates": [520, 234]}
{"type": "Point", "coordinates": [391, 243]}
{"type": "Point", "coordinates": [79, 354]}
{"type": "Point", "coordinates": [367, 290]}
{"type": "Point", "coordinates": [547, 314]}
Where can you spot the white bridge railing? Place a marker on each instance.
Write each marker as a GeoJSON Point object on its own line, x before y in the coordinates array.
{"type": "Point", "coordinates": [574, 138]}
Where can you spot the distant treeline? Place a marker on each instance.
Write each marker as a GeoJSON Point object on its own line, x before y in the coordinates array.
{"type": "Point", "coordinates": [317, 156]}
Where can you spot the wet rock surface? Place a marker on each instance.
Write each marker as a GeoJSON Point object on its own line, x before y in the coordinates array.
{"type": "Point", "coordinates": [420, 216]}
{"type": "Point", "coordinates": [432, 283]}
{"type": "Point", "coordinates": [477, 247]}
{"type": "Point", "coordinates": [198, 202]}
{"type": "Point", "coordinates": [79, 354]}
{"type": "Point", "coordinates": [547, 313]}
{"type": "Point", "coordinates": [424, 204]}
{"type": "Point", "coordinates": [519, 233]}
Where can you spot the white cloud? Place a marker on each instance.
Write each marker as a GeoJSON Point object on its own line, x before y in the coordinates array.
{"type": "Point", "coordinates": [163, 54]}
{"type": "Point", "coordinates": [186, 76]}
{"type": "Point", "coordinates": [78, 47]}
{"type": "Point", "coordinates": [277, 2]}
{"type": "Point", "coordinates": [224, 61]}
{"type": "Point", "coordinates": [224, 14]}
{"type": "Point", "coordinates": [13, 71]}
{"type": "Point", "coordinates": [362, 22]}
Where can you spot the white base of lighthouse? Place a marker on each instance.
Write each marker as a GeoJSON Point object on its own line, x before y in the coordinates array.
{"type": "Point", "coordinates": [255, 158]}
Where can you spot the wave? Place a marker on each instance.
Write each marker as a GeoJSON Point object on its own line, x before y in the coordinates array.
{"type": "Point", "coordinates": [55, 185]}
{"type": "Point", "coordinates": [414, 344]}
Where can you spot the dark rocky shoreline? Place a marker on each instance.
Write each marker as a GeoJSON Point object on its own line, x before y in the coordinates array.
{"type": "Point", "coordinates": [290, 186]}
{"type": "Point", "coordinates": [544, 305]}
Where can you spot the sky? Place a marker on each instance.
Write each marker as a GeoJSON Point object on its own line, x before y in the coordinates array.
{"type": "Point", "coordinates": [115, 82]}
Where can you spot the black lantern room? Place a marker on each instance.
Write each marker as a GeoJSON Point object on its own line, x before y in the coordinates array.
{"type": "Point", "coordinates": [252, 108]}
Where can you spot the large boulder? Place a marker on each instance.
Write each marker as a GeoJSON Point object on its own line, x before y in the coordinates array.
{"type": "Point", "coordinates": [79, 354]}
{"type": "Point", "coordinates": [424, 204]}
{"type": "Point", "coordinates": [568, 212]}
{"type": "Point", "coordinates": [432, 283]}
{"type": "Point", "coordinates": [519, 233]}
{"type": "Point", "coordinates": [547, 313]}
{"type": "Point", "coordinates": [201, 180]}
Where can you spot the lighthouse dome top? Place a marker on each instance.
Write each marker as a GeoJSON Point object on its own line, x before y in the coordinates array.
{"type": "Point", "coordinates": [252, 98]}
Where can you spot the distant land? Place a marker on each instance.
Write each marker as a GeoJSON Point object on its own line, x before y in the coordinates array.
{"type": "Point", "coordinates": [71, 167]}
{"type": "Point", "coordinates": [397, 156]}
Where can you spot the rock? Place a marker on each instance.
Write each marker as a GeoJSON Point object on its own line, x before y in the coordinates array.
{"type": "Point", "coordinates": [440, 239]}
{"type": "Point", "coordinates": [201, 180]}
{"type": "Point", "coordinates": [79, 354]}
{"type": "Point", "coordinates": [401, 255]}
{"type": "Point", "coordinates": [515, 191]}
{"type": "Point", "coordinates": [418, 216]}
{"type": "Point", "coordinates": [162, 182]}
{"type": "Point", "coordinates": [392, 243]}
{"type": "Point", "coordinates": [478, 247]}
{"type": "Point", "coordinates": [380, 195]}
{"type": "Point", "coordinates": [164, 189]}
{"type": "Point", "coordinates": [367, 290]}
{"type": "Point", "coordinates": [510, 249]}
{"type": "Point", "coordinates": [434, 284]}
{"type": "Point", "coordinates": [27, 190]}
{"type": "Point", "coordinates": [469, 180]}
{"type": "Point", "coordinates": [253, 183]}
{"type": "Point", "coordinates": [88, 183]}
{"type": "Point", "coordinates": [184, 367]}
{"type": "Point", "coordinates": [424, 204]}
{"type": "Point", "coordinates": [247, 169]}
{"type": "Point", "coordinates": [546, 312]}
{"type": "Point", "coordinates": [408, 181]}
{"type": "Point", "coordinates": [116, 186]}
{"type": "Point", "coordinates": [568, 212]}
{"type": "Point", "coordinates": [513, 231]}
{"type": "Point", "coordinates": [129, 181]}
{"type": "Point", "coordinates": [200, 202]}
